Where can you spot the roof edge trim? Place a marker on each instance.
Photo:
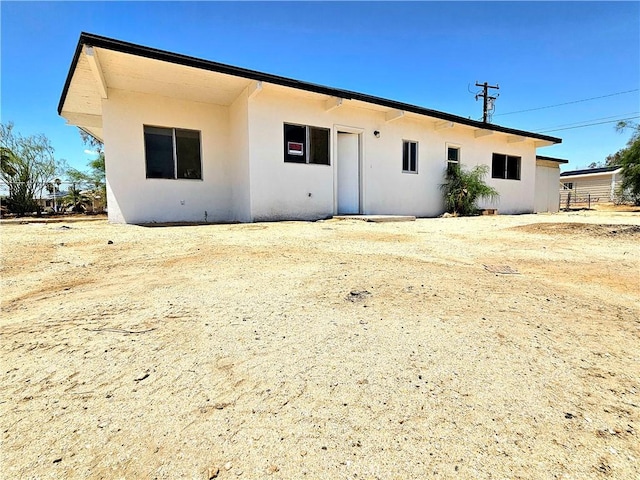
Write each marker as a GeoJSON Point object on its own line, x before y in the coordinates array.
{"type": "Point", "coordinates": [166, 56]}
{"type": "Point", "coordinates": [591, 171]}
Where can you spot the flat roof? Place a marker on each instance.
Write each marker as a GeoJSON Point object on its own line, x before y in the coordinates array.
{"type": "Point", "coordinates": [93, 40]}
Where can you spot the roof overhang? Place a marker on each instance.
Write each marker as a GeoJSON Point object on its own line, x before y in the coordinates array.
{"type": "Point", "coordinates": [603, 172]}
{"type": "Point", "coordinates": [551, 159]}
{"type": "Point", "coordinates": [100, 64]}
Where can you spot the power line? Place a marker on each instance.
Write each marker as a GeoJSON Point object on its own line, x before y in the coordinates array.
{"type": "Point", "coordinates": [584, 121]}
{"type": "Point", "coordinates": [569, 103]}
{"type": "Point", "coordinates": [589, 124]}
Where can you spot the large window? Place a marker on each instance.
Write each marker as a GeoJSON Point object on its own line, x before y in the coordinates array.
{"type": "Point", "coordinates": [505, 166]}
{"type": "Point", "coordinates": [304, 144]}
{"type": "Point", "coordinates": [172, 153]}
{"type": "Point", "coordinates": [409, 156]}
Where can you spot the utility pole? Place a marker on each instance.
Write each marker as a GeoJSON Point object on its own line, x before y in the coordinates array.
{"type": "Point", "coordinates": [486, 98]}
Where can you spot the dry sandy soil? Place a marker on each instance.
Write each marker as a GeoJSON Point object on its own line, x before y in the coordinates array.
{"type": "Point", "coordinates": [484, 348]}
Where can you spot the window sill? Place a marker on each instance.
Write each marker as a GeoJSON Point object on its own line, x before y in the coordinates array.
{"type": "Point", "coordinates": [187, 179]}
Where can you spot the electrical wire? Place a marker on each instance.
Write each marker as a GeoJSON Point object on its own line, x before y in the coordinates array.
{"type": "Point", "coordinates": [589, 124]}
{"type": "Point", "coordinates": [585, 121]}
{"type": "Point", "coordinates": [569, 103]}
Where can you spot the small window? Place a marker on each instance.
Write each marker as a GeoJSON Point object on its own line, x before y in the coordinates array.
{"type": "Point", "coordinates": [409, 156]}
{"type": "Point", "coordinates": [453, 159]}
{"type": "Point", "coordinates": [172, 153]}
{"type": "Point", "coordinates": [505, 166]}
{"type": "Point", "coordinates": [304, 144]}
{"type": "Point", "coordinates": [567, 185]}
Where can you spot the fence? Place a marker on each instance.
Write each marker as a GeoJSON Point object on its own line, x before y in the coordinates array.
{"type": "Point", "coordinates": [575, 199]}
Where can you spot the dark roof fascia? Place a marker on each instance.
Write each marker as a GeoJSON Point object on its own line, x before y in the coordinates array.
{"type": "Point", "coordinates": [551, 159]}
{"type": "Point", "coordinates": [72, 69]}
{"type": "Point", "coordinates": [163, 55]}
{"type": "Point", "coordinates": [591, 170]}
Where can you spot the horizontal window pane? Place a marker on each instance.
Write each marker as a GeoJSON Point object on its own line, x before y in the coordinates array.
{"type": "Point", "coordinates": [498, 165]}
{"type": "Point", "coordinates": [158, 145]}
{"type": "Point", "coordinates": [319, 148]}
{"type": "Point", "coordinates": [513, 168]}
{"type": "Point", "coordinates": [295, 143]}
{"type": "Point", "coordinates": [188, 151]}
{"type": "Point", "coordinates": [453, 154]}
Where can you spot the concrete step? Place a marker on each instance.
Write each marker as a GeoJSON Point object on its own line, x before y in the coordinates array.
{"type": "Point", "coordinates": [377, 218]}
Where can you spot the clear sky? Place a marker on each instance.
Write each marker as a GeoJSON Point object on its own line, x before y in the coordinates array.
{"type": "Point", "coordinates": [425, 53]}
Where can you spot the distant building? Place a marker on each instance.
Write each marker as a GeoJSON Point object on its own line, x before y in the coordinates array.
{"type": "Point", "coordinates": [592, 184]}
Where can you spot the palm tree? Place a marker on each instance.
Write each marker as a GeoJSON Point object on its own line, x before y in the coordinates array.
{"type": "Point", "coordinates": [76, 198]}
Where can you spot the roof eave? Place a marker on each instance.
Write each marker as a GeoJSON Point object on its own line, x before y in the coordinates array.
{"type": "Point", "coordinates": [551, 159]}
{"type": "Point", "coordinates": [586, 173]}
{"type": "Point", "coordinates": [163, 55]}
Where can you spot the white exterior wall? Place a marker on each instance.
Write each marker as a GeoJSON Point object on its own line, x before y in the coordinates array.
{"type": "Point", "coordinates": [547, 181]}
{"type": "Point", "coordinates": [280, 190]}
{"type": "Point", "coordinates": [244, 174]}
{"type": "Point", "coordinates": [516, 196]}
{"type": "Point", "coordinates": [239, 153]}
{"type": "Point", "coordinates": [133, 198]}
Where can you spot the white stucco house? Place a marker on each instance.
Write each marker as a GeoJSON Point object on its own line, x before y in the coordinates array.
{"type": "Point", "coordinates": [192, 140]}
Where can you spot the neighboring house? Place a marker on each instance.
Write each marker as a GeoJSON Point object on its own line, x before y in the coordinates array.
{"type": "Point", "coordinates": [547, 178]}
{"type": "Point", "coordinates": [594, 185]}
{"type": "Point", "coordinates": [192, 140]}
{"type": "Point", "coordinates": [53, 200]}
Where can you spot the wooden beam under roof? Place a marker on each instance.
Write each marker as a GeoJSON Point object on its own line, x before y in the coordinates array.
{"type": "Point", "coordinates": [392, 115]}
{"type": "Point", "coordinates": [94, 64]}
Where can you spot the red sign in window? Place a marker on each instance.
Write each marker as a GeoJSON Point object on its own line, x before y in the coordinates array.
{"type": "Point", "coordinates": [295, 148]}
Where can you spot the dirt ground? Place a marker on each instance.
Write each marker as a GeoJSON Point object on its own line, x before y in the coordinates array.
{"type": "Point", "coordinates": [496, 347]}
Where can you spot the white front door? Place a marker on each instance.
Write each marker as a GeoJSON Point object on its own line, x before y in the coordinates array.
{"type": "Point", "coordinates": [348, 173]}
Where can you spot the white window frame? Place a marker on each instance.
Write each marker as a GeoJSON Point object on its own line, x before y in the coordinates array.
{"type": "Point", "coordinates": [407, 141]}
{"type": "Point", "coordinates": [446, 152]}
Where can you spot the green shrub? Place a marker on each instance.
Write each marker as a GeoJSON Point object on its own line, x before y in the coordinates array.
{"type": "Point", "coordinates": [463, 188]}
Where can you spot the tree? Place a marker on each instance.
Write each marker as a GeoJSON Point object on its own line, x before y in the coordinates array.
{"type": "Point", "coordinates": [462, 189]}
{"type": "Point", "coordinates": [630, 161]}
{"type": "Point", "coordinates": [76, 199]}
{"type": "Point", "coordinates": [612, 160]}
{"type": "Point", "coordinates": [27, 165]}
{"type": "Point", "coordinates": [53, 188]}
{"type": "Point", "coordinates": [95, 179]}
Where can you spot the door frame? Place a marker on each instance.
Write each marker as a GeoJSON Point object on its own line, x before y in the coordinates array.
{"type": "Point", "coordinates": [361, 194]}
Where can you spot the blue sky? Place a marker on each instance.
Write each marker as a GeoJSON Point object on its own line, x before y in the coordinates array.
{"type": "Point", "coordinates": [425, 53]}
